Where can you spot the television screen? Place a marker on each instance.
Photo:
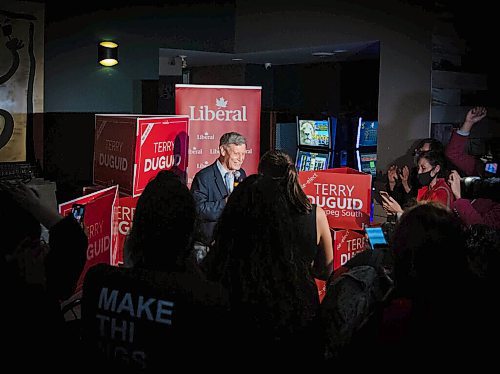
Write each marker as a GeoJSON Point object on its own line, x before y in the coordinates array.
{"type": "Point", "coordinates": [312, 161]}
{"type": "Point", "coordinates": [367, 133]}
{"type": "Point", "coordinates": [367, 163]}
{"type": "Point", "coordinates": [314, 133]}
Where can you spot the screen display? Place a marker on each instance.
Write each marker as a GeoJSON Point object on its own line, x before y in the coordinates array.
{"type": "Point", "coordinates": [367, 163]}
{"type": "Point", "coordinates": [78, 211]}
{"type": "Point", "coordinates": [375, 236]}
{"type": "Point", "coordinates": [491, 167]}
{"type": "Point", "coordinates": [314, 133]}
{"type": "Point", "coordinates": [367, 133]}
{"type": "Point", "coordinates": [312, 161]}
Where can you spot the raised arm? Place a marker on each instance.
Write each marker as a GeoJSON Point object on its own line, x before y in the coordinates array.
{"type": "Point", "coordinates": [456, 150]}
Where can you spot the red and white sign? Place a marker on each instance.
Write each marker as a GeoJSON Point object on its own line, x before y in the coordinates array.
{"type": "Point", "coordinates": [125, 216]}
{"type": "Point", "coordinates": [130, 150]}
{"type": "Point", "coordinates": [344, 194]}
{"type": "Point", "coordinates": [99, 226]}
{"type": "Point", "coordinates": [125, 210]}
{"type": "Point", "coordinates": [346, 244]}
{"type": "Point", "coordinates": [213, 111]}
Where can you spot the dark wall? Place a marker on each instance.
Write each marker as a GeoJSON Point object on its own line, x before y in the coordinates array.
{"type": "Point", "coordinates": [74, 82]}
{"type": "Point", "coordinates": [68, 152]}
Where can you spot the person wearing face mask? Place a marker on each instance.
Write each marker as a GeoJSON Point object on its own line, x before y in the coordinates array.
{"type": "Point", "coordinates": [402, 183]}
{"type": "Point", "coordinates": [432, 186]}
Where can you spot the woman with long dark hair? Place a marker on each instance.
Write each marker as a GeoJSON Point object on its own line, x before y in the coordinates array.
{"type": "Point", "coordinates": [309, 221]}
{"type": "Point", "coordinates": [257, 257]}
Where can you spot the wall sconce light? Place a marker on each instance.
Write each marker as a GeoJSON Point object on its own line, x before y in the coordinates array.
{"type": "Point", "coordinates": [108, 53]}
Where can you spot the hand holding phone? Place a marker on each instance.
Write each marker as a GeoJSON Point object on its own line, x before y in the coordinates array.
{"type": "Point", "coordinates": [78, 212]}
{"type": "Point", "coordinates": [384, 194]}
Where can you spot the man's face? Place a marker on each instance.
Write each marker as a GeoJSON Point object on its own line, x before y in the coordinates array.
{"type": "Point", "coordinates": [232, 156]}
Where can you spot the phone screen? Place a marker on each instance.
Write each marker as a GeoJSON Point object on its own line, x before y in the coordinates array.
{"type": "Point", "coordinates": [384, 193]}
{"type": "Point", "coordinates": [78, 212]}
{"type": "Point", "coordinates": [376, 236]}
{"type": "Point", "coordinates": [491, 167]}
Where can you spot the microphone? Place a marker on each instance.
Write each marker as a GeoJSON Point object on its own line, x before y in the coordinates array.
{"type": "Point", "coordinates": [237, 175]}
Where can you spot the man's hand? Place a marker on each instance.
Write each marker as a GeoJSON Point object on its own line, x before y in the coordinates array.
{"type": "Point", "coordinates": [473, 116]}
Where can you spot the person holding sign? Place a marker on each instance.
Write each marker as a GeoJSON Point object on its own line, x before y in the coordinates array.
{"type": "Point", "coordinates": [212, 185]}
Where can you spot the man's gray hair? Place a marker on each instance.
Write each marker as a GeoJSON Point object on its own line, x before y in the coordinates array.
{"type": "Point", "coordinates": [232, 138]}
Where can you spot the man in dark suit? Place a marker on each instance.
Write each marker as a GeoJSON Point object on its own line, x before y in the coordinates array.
{"type": "Point", "coordinates": [212, 185]}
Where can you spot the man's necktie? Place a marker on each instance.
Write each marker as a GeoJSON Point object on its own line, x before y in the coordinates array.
{"type": "Point", "coordinates": [229, 182]}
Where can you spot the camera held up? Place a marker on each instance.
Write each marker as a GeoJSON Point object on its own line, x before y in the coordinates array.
{"type": "Point", "coordinates": [477, 187]}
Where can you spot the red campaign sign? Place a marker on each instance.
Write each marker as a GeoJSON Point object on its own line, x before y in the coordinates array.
{"type": "Point", "coordinates": [114, 146]}
{"type": "Point", "coordinates": [161, 145]}
{"type": "Point", "coordinates": [343, 193]}
{"type": "Point", "coordinates": [125, 210]}
{"type": "Point", "coordinates": [321, 285]}
{"type": "Point", "coordinates": [346, 244]}
{"type": "Point", "coordinates": [129, 150]}
{"type": "Point", "coordinates": [125, 216]}
{"type": "Point", "coordinates": [98, 222]}
{"type": "Point", "coordinates": [214, 110]}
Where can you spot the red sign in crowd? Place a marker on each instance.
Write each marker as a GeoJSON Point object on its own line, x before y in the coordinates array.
{"type": "Point", "coordinates": [99, 226]}
{"type": "Point", "coordinates": [344, 194]}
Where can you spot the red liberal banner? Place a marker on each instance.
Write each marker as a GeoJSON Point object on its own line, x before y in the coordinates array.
{"type": "Point", "coordinates": [344, 194]}
{"type": "Point", "coordinates": [214, 110]}
{"type": "Point", "coordinates": [98, 222]}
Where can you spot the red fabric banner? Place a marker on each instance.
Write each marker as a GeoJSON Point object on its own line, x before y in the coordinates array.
{"type": "Point", "coordinates": [213, 111]}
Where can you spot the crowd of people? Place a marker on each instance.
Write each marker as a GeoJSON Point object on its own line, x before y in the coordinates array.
{"type": "Point", "coordinates": [235, 259]}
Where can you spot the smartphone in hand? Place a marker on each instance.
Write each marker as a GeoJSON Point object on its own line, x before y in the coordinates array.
{"type": "Point", "coordinates": [78, 212]}
{"type": "Point", "coordinates": [384, 194]}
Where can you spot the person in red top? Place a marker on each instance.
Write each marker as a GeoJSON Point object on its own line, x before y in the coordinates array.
{"type": "Point", "coordinates": [433, 188]}
{"type": "Point", "coordinates": [471, 211]}
{"type": "Point", "coordinates": [455, 150]}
